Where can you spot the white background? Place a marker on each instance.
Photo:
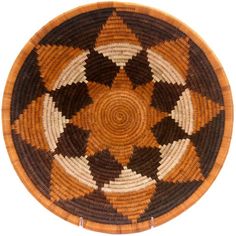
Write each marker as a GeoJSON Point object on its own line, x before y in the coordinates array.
{"type": "Point", "coordinates": [214, 213]}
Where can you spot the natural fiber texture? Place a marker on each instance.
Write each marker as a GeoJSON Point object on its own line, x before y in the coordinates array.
{"type": "Point", "coordinates": [117, 117]}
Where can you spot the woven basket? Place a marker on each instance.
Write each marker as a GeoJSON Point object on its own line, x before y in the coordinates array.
{"type": "Point", "coordinates": [114, 117]}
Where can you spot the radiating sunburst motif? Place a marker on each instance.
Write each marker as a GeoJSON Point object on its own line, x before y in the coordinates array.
{"type": "Point", "coordinates": [110, 123]}
{"type": "Point", "coordinates": [119, 118]}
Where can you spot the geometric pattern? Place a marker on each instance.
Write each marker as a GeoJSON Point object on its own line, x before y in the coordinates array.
{"type": "Point", "coordinates": [117, 127]}
{"type": "Point", "coordinates": [125, 127]}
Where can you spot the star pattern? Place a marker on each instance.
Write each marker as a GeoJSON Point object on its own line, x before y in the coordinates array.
{"type": "Point", "coordinates": [131, 125]}
{"type": "Point", "coordinates": [117, 121]}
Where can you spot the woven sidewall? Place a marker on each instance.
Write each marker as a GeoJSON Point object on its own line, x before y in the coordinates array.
{"type": "Point", "coordinates": [117, 117]}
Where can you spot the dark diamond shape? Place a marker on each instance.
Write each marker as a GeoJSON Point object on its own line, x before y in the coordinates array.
{"type": "Point", "coordinates": [149, 30]}
{"type": "Point", "coordinates": [165, 96]}
{"type": "Point", "coordinates": [104, 167]}
{"type": "Point", "coordinates": [145, 161]}
{"type": "Point", "coordinates": [207, 142]}
{"type": "Point", "coordinates": [94, 207]}
{"type": "Point", "coordinates": [72, 142]}
{"type": "Point", "coordinates": [71, 98]}
{"type": "Point", "coordinates": [28, 86]}
{"type": "Point", "coordinates": [167, 197]}
{"type": "Point", "coordinates": [138, 69]}
{"type": "Point", "coordinates": [79, 31]}
{"type": "Point", "coordinates": [36, 164]}
{"type": "Point", "coordinates": [167, 131]}
{"type": "Point", "coordinates": [100, 69]}
{"type": "Point", "coordinates": [201, 75]}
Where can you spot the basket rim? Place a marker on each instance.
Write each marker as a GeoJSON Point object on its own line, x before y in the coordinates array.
{"type": "Point", "coordinates": [222, 153]}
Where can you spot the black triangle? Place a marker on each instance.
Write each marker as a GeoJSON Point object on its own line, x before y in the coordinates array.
{"type": "Point", "coordinates": [36, 163]}
{"type": "Point", "coordinates": [145, 161]}
{"type": "Point", "coordinates": [149, 30]}
{"type": "Point", "coordinates": [138, 69]}
{"type": "Point", "coordinates": [207, 142]}
{"type": "Point", "coordinates": [72, 142]}
{"type": "Point", "coordinates": [94, 207]}
{"type": "Point", "coordinates": [28, 86]}
{"type": "Point", "coordinates": [79, 31]}
{"type": "Point", "coordinates": [201, 76]}
{"type": "Point", "coordinates": [70, 99]}
{"type": "Point", "coordinates": [168, 131]}
{"type": "Point", "coordinates": [100, 69]}
{"type": "Point", "coordinates": [165, 96]}
{"type": "Point", "coordinates": [104, 167]}
{"type": "Point", "coordinates": [167, 197]}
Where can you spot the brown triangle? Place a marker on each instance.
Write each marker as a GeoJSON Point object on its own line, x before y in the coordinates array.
{"type": "Point", "coordinates": [29, 125]}
{"type": "Point", "coordinates": [116, 31]}
{"type": "Point", "coordinates": [96, 90]}
{"type": "Point", "coordinates": [147, 140]}
{"type": "Point", "coordinates": [176, 52]}
{"type": "Point", "coordinates": [52, 60]}
{"type": "Point", "coordinates": [122, 155]}
{"type": "Point", "coordinates": [131, 204]}
{"type": "Point", "coordinates": [64, 186]}
{"type": "Point", "coordinates": [188, 169]}
{"type": "Point", "coordinates": [122, 81]}
{"type": "Point", "coordinates": [204, 110]}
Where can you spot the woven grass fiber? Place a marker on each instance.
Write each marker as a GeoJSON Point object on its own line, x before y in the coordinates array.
{"type": "Point", "coordinates": [117, 117]}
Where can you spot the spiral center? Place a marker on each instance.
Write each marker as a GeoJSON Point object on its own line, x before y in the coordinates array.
{"type": "Point", "coordinates": [121, 116]}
